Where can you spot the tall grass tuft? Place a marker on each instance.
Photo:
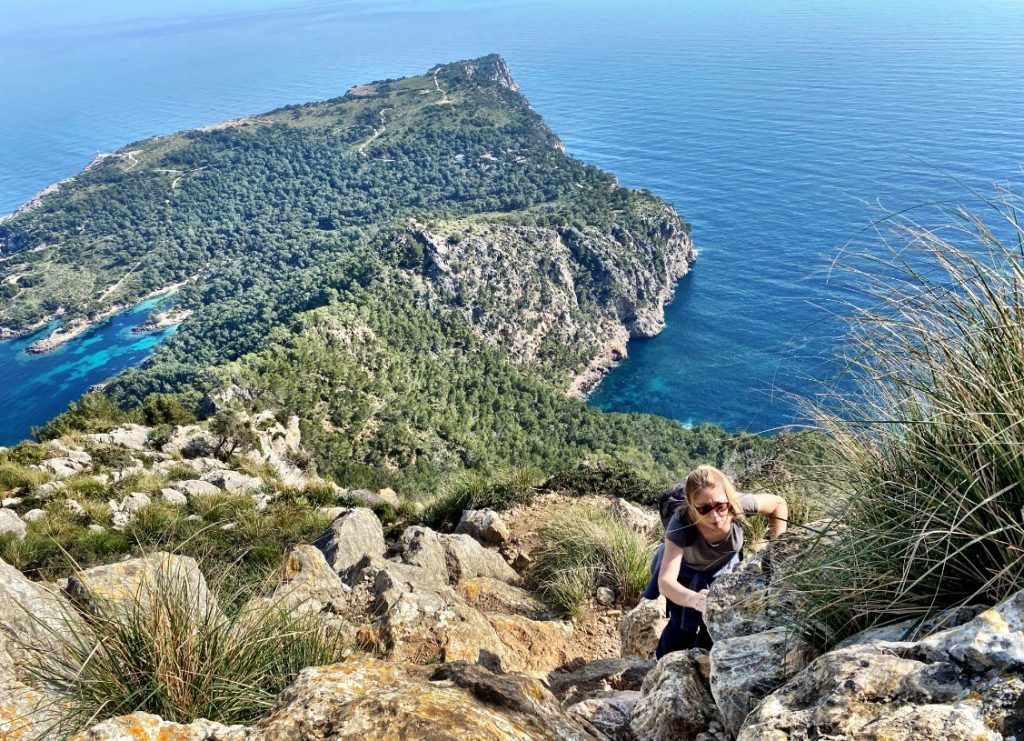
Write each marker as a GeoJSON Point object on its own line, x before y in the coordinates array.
{"type": "Point", "coordinates": [170, 652]}
{"type": "Point", "coordinates": [930, 455]}
{"type": "Point", "coordinates": [582, 549]}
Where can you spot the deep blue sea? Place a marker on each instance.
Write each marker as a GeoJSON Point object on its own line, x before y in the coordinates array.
{"type": "Point", "coordinates": [779, 128]}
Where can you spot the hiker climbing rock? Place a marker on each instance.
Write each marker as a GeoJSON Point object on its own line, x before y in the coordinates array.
{"type": "Point", "coordinates": [703, 539]}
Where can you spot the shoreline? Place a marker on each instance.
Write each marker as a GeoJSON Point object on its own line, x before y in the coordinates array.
{"type": "Point", "coordinates": [645, 324]}
{"type": "Point", "coordinates": [62, 335]}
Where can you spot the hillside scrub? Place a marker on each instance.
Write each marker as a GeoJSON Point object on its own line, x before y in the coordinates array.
{"type": "Point", "coordinates": [929, 457]}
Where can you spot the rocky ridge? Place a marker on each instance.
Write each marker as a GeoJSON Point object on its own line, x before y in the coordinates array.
{"type": "Point", "coordinates": [449, 641]}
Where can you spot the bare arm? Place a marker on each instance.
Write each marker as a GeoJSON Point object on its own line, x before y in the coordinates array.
{"type": "Point", "coordinates": [668, 582]}
{"type": "Point", "coordinates": [776, 509]}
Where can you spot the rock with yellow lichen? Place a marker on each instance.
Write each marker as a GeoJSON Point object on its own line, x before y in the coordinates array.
{"type": "Point", "coordinates": [142, 580]}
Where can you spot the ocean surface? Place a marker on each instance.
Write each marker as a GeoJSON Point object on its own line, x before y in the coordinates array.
{"type": "Point", "coordinates": [781, 129]}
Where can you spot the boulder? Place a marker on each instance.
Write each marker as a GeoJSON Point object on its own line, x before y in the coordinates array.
{"type": "Point", "coordinates": [484, 525]}
{"type": "Point", "coordinates": [367, 698]}
{"type": "Point", "coordinates": [146, 727]}
{"type": "Point", "coordinates": [570, 685]}
{"type": "Point", "coordinates": [34, 515]}
{"type": "Point", "coordinates": [421, 546]}
{"type": "Point", "coordinates": [675, 703]}
{"type": "Point", "coordinates": [191, 441]}
{"type": "Point", "coordinates": [143, 581]}
{"type": "Point", "coordinates": [493, 595]}
{"type": "Point", "coordinates": [232, 482]}
{"type": "Point", "coordinates": [27, 712]}
{"type": "Point", "coordinates": [309, 584]}
{"type": "Point", "coordinates": [746, 668]}
{"type": "Point", "coordinates": [79, 457]}
{"type": "Point", "coordinates": [11, 524]}
{"type": "Point", "coordinates": [640, 628]}
{"type": "Point", "coordinates": [608, 712]}
{"type": "Point", "coordinates": [124, 512]}
{"type": "Point", "coordinates": [870, 691]}
{"type": "Point", "coordinates": [467, 559]}
{"type": "Point", "coordinates": [993, 640]}
{"type": "Point", "coordinates": [132, 437]}
{"type": "Point", "coordinates": [198, 488]}
{"type": "Point", "coordinates": [352, 535]}
{"type": "Point", "coordinates": [644, 521]}
{"type": "Point", "coordinates": [533, 646]}
{"type": "Point", "coordinates": [173, 497]}
{"type": "Point", "coordinates": [62, 468]}
{"type": "Point", "coordinates": [30, 615]}
{"type": "Point", "coordinates": [50, 489]}
{"type": "Point", "coordinates": [388, 496]}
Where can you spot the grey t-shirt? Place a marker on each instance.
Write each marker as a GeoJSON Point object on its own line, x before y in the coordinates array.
{"type": "Point", "coordinates": [698, 553]}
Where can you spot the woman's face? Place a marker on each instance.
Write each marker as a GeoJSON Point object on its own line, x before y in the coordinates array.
{"type": "Point", "coordinates": [711, 507]}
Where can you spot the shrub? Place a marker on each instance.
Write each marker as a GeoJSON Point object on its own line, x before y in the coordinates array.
{"type": "Point", "coordinates": [94, 412]}
{"type": "Point", "coordinates": [582, 549]}
{"type": "Point", "coordinates": [478, 491]}
{"type": "Point", "coordinates": [605, 480]}
{"type": "Point", "coordinates": [162, 652]}
{"type": "Point", "coordinates": [930, 453]}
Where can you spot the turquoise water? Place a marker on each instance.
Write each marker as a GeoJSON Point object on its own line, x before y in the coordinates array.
{"type": "Point", "coordinates": [780, 128]}
{"type": "Point", "coordinates": [35, 388]}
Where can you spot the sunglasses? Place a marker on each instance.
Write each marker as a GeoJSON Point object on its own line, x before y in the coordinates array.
{"type": "Point", "coordinates": [706, 509]}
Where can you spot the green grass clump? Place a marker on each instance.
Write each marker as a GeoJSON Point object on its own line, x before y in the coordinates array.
{"type": "Point", "coordinates": [930, 457]}
{"type": "Point", "coordinates": [17, 476]}
{"type": "Point", "coordinates": [606, 480]}
{"type": "Point", "coordinates": [582, 549]}
{"type": "Point", "coordinates": [163, 652]}
{"type": "Point", "coordinates": [478, 491]}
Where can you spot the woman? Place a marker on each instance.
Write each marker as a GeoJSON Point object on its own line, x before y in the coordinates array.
{"type": "Point", "coordinates": [703, 540]}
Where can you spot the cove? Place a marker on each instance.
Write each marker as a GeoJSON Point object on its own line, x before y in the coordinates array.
{"type": "Point", "coordinates": [36, 388]}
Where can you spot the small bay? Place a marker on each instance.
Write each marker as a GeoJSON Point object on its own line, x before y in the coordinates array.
{"type": "Point", "coordinates": [35, 388]}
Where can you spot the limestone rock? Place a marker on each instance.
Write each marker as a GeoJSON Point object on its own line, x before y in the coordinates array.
{"type": "Point", "coordinates": [192, 441]}
{"type": "Point", "coordinates": [132, 437]}
{"type": "Point", "coordinates": [309, 584]}
{"type": "Point", "coordinates": [388, 496]}
{"type": "Point", "coordinates": [30, 613]}
{"type": "Point", "coordinates": [467, 559]}
{"type": "Point", "coordinates": [50, 489]}
{"type": "Point", "coordinates": [746, 668]}
{"type": "Point", "coordinates": [27, 712]}
{"type": "Point", "coordinates": [142, 581]}
{"type": "Point", "coordinates": [533, 646]}
{"type": "Point", "coordinates": [675, 703]}
{"type": "Point", "coordinates": [608, 712]}
{"type": "Point", "coordinates": [570, 685]}
{"type": "Point", "coordinates": [644, 521]}
{"type": "Point", "coordinates": [34, 515]}
{"type": "Point", "coordinates": [605, 596]}
{"type": "Point", "coordinates": [352, 535]}
{"type": "Point", "coordinates": [485, 525]}
{"type": "Point", "coordinates": [870, 691]}
{"type": "Point", "coordinates": [147, 727]}
{"type": "Point", "coordinates": [422, 547]}
{"type": "Point", "coordinates": [366, 698]}
{"type": "Point", "coordinates": [173, 497]}
{"type": "Point", "coordinates": [232, 482]}
{"type": "Point", "coordinates": [10, 523]}
{"type": "Point", "coordinates": [992, 640]}
{"type": "Point", "coordinates": [198, 488]}
{"type": "Point", "coordinates": [62, 468]}
{"type": "Point", "coordinates": [640, 628]}
{"type": "Point", "coordinates": [494, 595]}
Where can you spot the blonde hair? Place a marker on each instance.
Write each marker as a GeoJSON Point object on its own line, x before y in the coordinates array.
{"type": "Point", "coordinates": [708, 477]}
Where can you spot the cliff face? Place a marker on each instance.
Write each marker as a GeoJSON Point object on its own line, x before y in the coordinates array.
{"type": "Point", "coordinates": [547, 294]}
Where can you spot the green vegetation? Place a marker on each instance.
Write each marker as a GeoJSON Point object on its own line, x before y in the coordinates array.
{"type": "Point", "coordinates": [228, 534]}
{"type": "Point", "coordinates": [928, 458]}
{"type": "Point", "coordinates": [164, 652]}
{"type": "Point", "coordinates": [582, 549]}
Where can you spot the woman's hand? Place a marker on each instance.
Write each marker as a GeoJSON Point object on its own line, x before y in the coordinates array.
{"type": "Point", "coordinates": [699, 601]}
